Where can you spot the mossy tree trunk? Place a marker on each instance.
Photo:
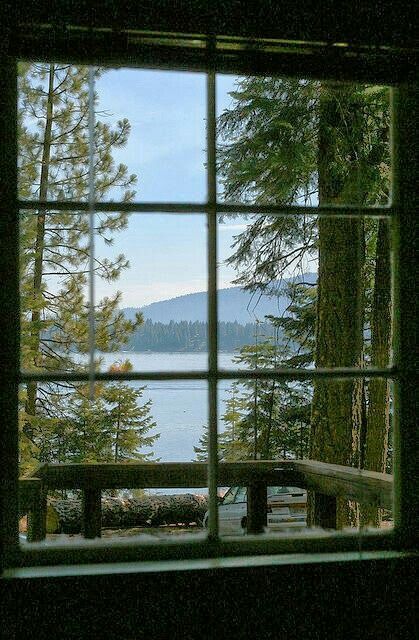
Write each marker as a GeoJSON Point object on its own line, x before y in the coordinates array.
{"type": "Point", "coordinates": [374, 454]}
{"type": "Point", "coordinates": [337, 406]}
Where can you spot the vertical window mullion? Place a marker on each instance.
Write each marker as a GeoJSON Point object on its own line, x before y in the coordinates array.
{"type": "Point", "coordinates": [212, 308]}
{"type": "Point", "coordinates": [405, 177]}
{"type": "Point", "coordinates": [395, 254]}
{"type": "Point", "coordinates": [10, 314]}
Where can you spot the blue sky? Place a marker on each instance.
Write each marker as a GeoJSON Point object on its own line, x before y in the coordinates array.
{"type": "Point", "coordinates": [167, 151]}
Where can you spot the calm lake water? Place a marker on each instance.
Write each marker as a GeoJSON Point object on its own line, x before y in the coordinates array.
{"type": "Point", "coordinates": [180, 408]}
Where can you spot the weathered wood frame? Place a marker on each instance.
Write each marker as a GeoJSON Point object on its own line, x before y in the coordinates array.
{"type": "Point", "coordinates": [393, 67]}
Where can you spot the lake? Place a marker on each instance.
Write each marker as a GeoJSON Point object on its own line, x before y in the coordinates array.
{"type": "Point", "coordinates": [180, 408]}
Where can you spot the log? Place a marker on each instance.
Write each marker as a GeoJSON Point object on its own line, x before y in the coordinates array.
{"type": "Point", "coordinates": [121, 513]}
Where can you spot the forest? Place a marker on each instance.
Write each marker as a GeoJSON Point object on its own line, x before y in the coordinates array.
{"type": "Point", "coordinates": [193, 336]}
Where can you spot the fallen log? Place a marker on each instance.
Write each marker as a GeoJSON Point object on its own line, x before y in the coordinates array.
{"type": "Point", "coordinates": [121, 513]}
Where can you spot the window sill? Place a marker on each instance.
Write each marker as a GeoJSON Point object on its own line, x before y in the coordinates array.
{"type": "Point", "coordinates": [104, 552]}
{"type": "Point", "coordinates": [208, 564]}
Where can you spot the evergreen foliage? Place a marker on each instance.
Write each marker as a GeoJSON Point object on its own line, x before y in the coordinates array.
{"type": "Point", "coordinates": [292, 141]}
{"type": "Point", "coordinates": [190, 336]}
{"type": "Point", "coordinates": [54, 257]}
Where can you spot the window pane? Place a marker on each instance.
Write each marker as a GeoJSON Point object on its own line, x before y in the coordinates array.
{"type": "Point", "coordinates": [264, 419]}
{"type": "Point", "coordinates": [156, 267]}
{"type": "Point", "coordinates": [124, 423]}
{"type": "Point", "coordinates": [150, 140]}
{"type": "Point", "coordinates": [295, 141]}
{"type": "Point", "coordinates": [268, 298]}
{"type": "Point", "coordinates": [53, 136]}
{"type": "Point", "coordinates": [341, 422]}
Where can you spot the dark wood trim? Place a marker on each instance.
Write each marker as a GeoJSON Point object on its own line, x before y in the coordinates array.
{"type": "Point", "coordinates": [367, 23]}
{"type": "Point", "coordinates": [9, 305]}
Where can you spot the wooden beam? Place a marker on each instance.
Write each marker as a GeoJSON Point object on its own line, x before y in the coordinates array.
{"type": "Point", "coordinates": [29, 490]}
{"type": "Point", "coordinates": [328, 479]}
{"type": "Point", "coordinates": [382, 66]}
{"type": "Point", "coordinates": [256, 507]}
{"type": "Point", "coordinates": [354, 484]}
{"type": "Point", "coordinates": [92, 513]}
{"type": "Point", "coordinates": [167, 474]}
{"type": "Point", "coordinates": [324, 515]}
{"type": "Point", "coordinates": [37, 517]}
{"type": "Point", "coordinates": [9, 304]}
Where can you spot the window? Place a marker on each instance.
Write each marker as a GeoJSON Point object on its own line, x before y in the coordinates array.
{"type": "Point", "coordinates": [211, 56]}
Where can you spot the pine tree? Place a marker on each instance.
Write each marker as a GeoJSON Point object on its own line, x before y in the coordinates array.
{"type": "Point", "coordinates": [113, 426]}
{"type": "Point", "coordinates": [128, 422]}
{"type": "Point", "coordinates": [262, 416]}
{"type": "Point", "coordinates": [53, 164]}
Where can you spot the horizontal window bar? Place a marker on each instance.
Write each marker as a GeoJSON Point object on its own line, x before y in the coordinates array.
{"type": "Point", "coordinates": [200, 564]}
{"type": "Point", "coordinates": [351, 210]}
{"type": "Point", "coordinates": [263, 374]}
{"type": "Point", "coordinates": [139, 207]}
{"type": "Point", "coordinates": [264, 21]}
{"type": "Point", "coordinates": [309, 374]}
{"type": "Point", "coordinates": [190, 207]}
{"type": "Point", "coordinates": [70, 376]}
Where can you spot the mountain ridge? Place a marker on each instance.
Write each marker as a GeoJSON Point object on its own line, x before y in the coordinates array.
{"type": "Point", "coordinates": [235, 304]}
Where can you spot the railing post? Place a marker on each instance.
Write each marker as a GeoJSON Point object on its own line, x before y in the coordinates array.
{"type": "Point", "coordinates": [324, 510]}
{"type": "Point", "coordinates": [92, 513]}
{"type": "Point", "coordinates": [256, 507]}
{"type": "Point", "coordinates": [37, 516]}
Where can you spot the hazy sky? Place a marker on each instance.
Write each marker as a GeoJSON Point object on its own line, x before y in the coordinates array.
{"type": "Point", "coordinates": [167, 151]}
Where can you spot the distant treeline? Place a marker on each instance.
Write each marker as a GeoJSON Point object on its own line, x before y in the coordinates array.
{"type": "Point", "coordinates": [193, 336]}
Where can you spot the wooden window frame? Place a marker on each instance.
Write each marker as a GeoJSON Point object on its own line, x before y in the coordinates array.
{"type": "Point", "coordinates": [211, 55]}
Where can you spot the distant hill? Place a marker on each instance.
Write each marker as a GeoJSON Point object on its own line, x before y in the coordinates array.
{"type": "Point", "coordinates": [234, 305]}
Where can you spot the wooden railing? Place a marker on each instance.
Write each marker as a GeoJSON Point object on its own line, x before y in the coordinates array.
{"type": "Point", "coordinates": [327, 481]}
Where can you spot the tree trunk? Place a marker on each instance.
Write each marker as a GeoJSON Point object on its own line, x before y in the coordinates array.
{"type": "Point", "coordinates": [267, 453]}
{"type": "Point", "coordinates": [340, 303]}
{"type": "Point", "coordinates": [118, 420]}
{"type": "Point", "coordinates": [121, 513]}
{"type": "Point", "coordinates": [378, 418]}
{"type": "Point", "coordinates": [30, 407]}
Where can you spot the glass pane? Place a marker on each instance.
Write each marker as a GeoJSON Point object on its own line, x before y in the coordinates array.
{"type": "Point", "coordinates": [269, 305]}
{"type": "Point", "coordinates": [164, 149]}
{"type": "Point", "coordinates": [53, 134]}
{"type": "Point", "coordinates": [264, 419]}
{"type": "Point", "coordinates": [294, 141]}
{"type": "Point", "coordinates": [339, 422]}
{"type": "Point", "coordinates": [124, 423]}
{"type": "Point", "coordinates": [150, 140]}
{"type": "Point", "coordinates": [157, 267]}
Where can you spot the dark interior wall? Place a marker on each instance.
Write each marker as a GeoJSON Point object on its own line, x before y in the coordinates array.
{"type": "Point", "coordinates": [351, 599]}
{"type": "Point", "coordinates": [347, 599]}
